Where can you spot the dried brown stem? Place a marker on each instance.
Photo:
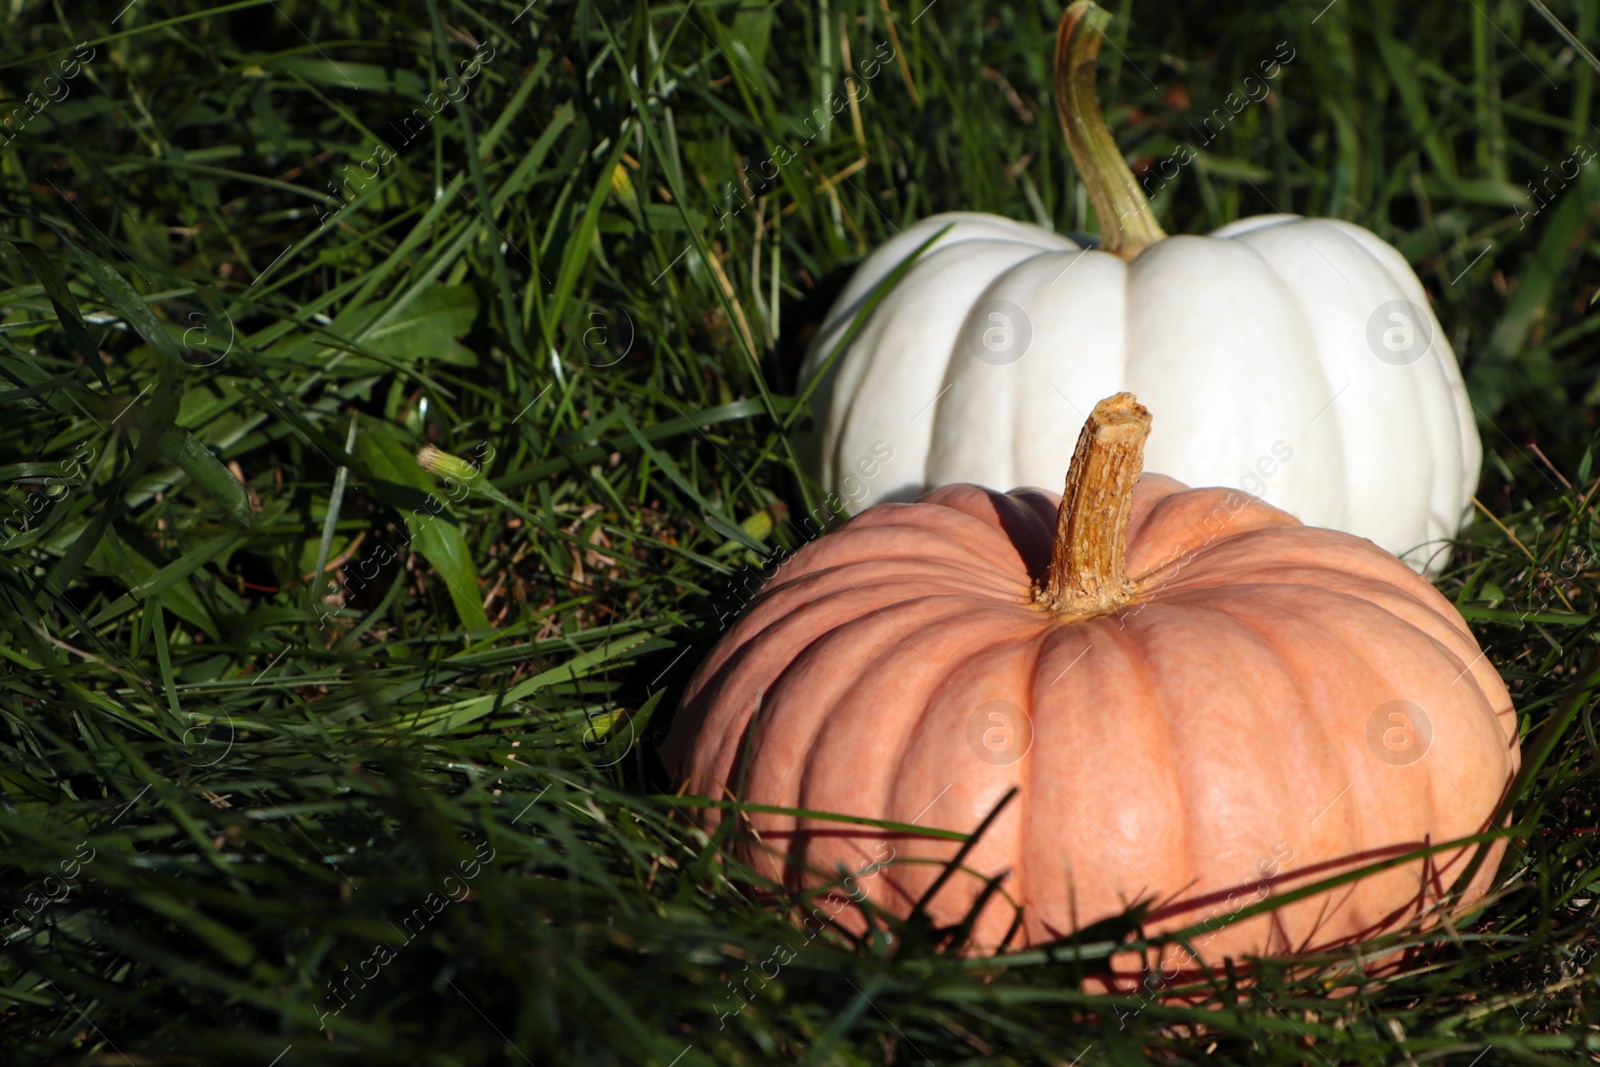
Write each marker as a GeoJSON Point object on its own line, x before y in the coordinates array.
{"type": "Point", "coordinates": [1086, 575]}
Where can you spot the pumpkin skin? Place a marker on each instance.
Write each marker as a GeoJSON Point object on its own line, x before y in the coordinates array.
{"type": "Point", "coordinates": [1253, 343]}
{"type": "Point", "coordinates": [1295, 358]}
{"type": "Point", "coordinates": [1169, 750]}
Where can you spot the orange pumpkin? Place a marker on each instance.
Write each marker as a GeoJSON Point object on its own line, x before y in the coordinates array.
{"type": "Point", "coordinates": [1202, 702]}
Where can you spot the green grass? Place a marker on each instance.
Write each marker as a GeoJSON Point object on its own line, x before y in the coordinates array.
{"type": "Point", "coordinates": [272, 774]}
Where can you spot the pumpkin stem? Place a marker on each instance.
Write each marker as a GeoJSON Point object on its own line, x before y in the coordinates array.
{"type": "Point", "coordinates": [1127, 224]}
{"type": "Point", "coordinates": [1086, 575]}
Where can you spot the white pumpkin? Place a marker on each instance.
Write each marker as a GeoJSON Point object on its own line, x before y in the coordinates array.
{"type": "Point", "coordinates": [1294, 358]}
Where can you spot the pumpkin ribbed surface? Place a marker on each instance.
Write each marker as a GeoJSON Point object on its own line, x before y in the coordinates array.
{"type": "Point", "coordinates": [1253, 337]}
{"type": "Point", "coordinates": [1241, 710]}
{"type": "Point", "coordinates": [1295, 358]}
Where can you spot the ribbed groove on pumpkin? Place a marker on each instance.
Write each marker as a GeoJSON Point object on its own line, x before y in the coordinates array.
{"type": "Point", "coordinates": [1375, 632]}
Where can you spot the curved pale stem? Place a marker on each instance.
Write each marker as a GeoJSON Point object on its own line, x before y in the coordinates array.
{"type": "Point", "coordinates": [1127, 224]}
